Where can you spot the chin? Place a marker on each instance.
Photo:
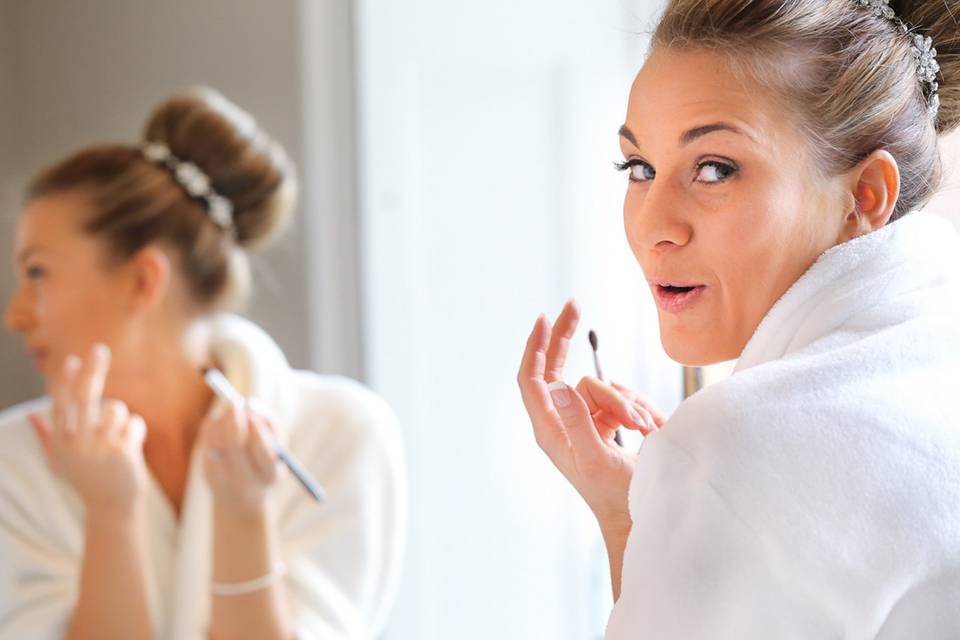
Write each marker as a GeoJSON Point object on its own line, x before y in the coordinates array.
{"type": "Point", "coordinates": [693, 353]}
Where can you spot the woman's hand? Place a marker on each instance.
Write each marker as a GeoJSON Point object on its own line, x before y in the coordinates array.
{"type": "Point", "coordinates": [241, 462]}
{"type": "Point", "coordinates": [576, 427]}
{"type": "Point", "coordinates": [93, 444]}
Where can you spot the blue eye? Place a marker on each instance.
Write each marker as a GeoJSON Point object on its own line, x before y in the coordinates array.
{"type": "Point", "coordinates": [720, 170]}
{"type": "Point", "coordinates": [639, 170]}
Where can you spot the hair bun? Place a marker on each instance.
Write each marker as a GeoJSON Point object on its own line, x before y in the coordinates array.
{"type": "Point", "coordinates": [243, 163]}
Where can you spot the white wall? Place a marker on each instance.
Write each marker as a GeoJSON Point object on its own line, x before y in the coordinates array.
{"type": "Point", "coordinates": [488, 195]}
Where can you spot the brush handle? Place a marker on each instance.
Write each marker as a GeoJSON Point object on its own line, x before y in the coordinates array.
{"type": "Point", "coordinates": [596, 365]}
{"type": "Point", "coordinates": [301, 474]}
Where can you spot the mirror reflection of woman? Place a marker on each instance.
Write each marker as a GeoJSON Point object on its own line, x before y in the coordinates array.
{"type": "Point", "coordinates": [779, 155]}
{"type": "Point", "coordinates": [133, 504]}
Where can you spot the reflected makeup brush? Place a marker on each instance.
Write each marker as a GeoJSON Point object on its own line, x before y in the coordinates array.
{"type": "Point", "coordinates": [227, 392]}
{"type": "Point", "coordinates": [596, 365]}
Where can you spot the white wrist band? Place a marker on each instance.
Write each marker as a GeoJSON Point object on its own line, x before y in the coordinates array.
{"type": "Point", "coordinates": [249, 586]}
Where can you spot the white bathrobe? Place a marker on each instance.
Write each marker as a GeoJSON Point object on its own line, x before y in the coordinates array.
{"type": "Point", "coordinates": [816, 492]}
{"type": "Point", "coordinates": [342, 557]}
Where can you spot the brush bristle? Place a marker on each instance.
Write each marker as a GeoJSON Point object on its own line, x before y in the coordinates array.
{"type": "Point", "coordinates": [593, 339]}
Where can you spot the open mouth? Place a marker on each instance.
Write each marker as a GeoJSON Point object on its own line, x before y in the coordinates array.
{"type": "Point", "coordinates": [674, 298]}
{"type": "Point", "coordinates": [671, 289]}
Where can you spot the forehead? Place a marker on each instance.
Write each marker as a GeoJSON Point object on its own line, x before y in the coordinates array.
{"type": "Point", "coordinates": [679, 90]}
{"type": "Point", "coordinates": [53, 222]}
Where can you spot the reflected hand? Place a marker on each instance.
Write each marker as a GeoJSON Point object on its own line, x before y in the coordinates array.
{"type": "Point", "coordinates": [241, 460]}
{"type": "Point", "coordinates": [576, 427]}
{"type": "Point", "coordinates": [95, 445]}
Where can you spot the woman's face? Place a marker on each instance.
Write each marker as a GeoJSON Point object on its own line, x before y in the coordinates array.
{"type": "Point", "coordinates": [736, 211]}
{"type": "Point", "coordinates": [66, 298]}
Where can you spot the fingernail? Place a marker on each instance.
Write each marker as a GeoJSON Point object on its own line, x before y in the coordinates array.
{"type": "Point", "coordinates": [71, 362]}
{"type": "Point", "coordinates": [101, 350]}
{"type": "Point", "coordinates": [638, 419]}
{"type": "Point", "coordinates": [559, 394]}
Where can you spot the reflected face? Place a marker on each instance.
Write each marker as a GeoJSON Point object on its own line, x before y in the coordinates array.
{"type": "Point", "coordinates": [66, 299]}
{"type": "Point", "coordinates": [721, 198]}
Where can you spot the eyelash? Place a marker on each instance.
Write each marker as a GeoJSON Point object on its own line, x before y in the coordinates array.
{"type": "Point", "coordinates": [35, 273]}
{"type": "Point", "coordinates": [634, 162]}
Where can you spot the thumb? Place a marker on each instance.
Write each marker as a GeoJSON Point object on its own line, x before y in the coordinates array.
{"type": "Point", "coordinates": [575, 415]}
{"type": "Point", "coordinates": [137, 431]}
{"type": "Point", "coordinates": [44, 433]}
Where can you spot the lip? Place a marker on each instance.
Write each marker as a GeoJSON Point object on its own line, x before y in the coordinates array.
{"type": "Point", "coordinates": [675, 283]}
{"type": "Point", "coordinates": [677, 302]}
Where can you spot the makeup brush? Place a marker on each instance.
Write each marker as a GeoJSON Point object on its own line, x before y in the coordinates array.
{"type": "Point", "coordinates": [596, 365]}
{"type": "Point", "coordinates": [226, 391]}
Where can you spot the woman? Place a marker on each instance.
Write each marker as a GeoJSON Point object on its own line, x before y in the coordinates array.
{"type": "Point", "coordinates": [778, 154]}
{"type": "Point", "coordinates": [131, 504]}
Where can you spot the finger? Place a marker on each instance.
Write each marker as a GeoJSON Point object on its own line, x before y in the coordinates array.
{"type": "Point", "coordinates": [559, 346]}
{"type": "Point", "coordinates": [265, 414]}
{"type": "Point", "coordinates": [114, 419]}
{"type": "Point", "coordinates": [211, 429]}
{"type": "Point", "coordinates": [229, 437]}
{"type": "Point", "coordinates": [547, 426]}
{"type": "Point", "coordinates": [260, 448]}
{"type": "Point", "coordinates": [658, 418]}
{"type": "Point", "coordinates": [210, 437]}
{"type": "Point", "coordinates": [638, 398]}
{"type": "Point", "coordinates": [607, 424]}
{"type": "Point", "coordinates": [599, 395]}
{"type": "Point", "coordinates": [65, 410]}
{"type": "Point", "coordinates": [235, 426]}
{"type": "Point", "coordinates": [44, 434]}
{"type": "Point", "coordinates": [89, 386]}
{"type": "Point", "coordinates": [575, 415]}
{"type": "Point", "coordinates": [649, 424]}
{"type": "Point", "coordinates": [135, 432]}
{"type": "Point", "coordinates": [533, 363]}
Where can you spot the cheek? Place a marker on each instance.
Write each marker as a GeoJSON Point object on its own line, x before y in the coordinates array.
{"type": "Point", "coordinates": [631, 202]}
{"type": "Point", "coordinates": [771, 254]}
{"type": "Point", "coordinates": [747, 248]}
{"type": "Point", "coordinates": [77, 314]}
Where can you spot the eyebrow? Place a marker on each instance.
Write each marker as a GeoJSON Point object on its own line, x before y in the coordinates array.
{"type": "Point", "coordinates": [26, 253]}
{"type": "Point", "coordinates": [689, 136]}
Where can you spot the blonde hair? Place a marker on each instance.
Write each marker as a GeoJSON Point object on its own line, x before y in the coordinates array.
{"type": "Point", "coordinates": [135, 202]}
{"type": "Point", "coordinates": [845, 76]}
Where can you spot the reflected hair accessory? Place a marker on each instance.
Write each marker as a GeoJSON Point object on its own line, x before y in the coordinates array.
{"type": "Point", "coordinates": [193, 180]}
{"type": "Point", "coordinates": [923, 52]}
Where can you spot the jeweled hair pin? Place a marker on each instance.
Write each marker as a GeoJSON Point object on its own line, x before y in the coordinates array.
{"type": "Point", "coordinates": [923, 52]}
{"type": "Point", "coordinates": [193, 180]}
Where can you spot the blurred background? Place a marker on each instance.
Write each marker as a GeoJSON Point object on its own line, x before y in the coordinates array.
{"type": "Point", "coordinates": [456, 169]}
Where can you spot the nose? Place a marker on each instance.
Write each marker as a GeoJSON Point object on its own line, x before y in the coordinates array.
{"type": "Point", "coordinates": [654, 219]}
{"type": "Point", "coordinates": [17, 315]}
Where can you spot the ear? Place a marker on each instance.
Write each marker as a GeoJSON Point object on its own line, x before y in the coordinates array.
{"type": "Point", "coordinates": [150, 272]}
{"type": "Point", "coordinates": [875, 188]}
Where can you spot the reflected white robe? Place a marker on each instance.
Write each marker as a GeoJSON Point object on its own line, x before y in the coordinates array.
{"type": "Point", "coordinates": [816, 492]}
{"type": "Point", "coordinates": [343, 557]}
